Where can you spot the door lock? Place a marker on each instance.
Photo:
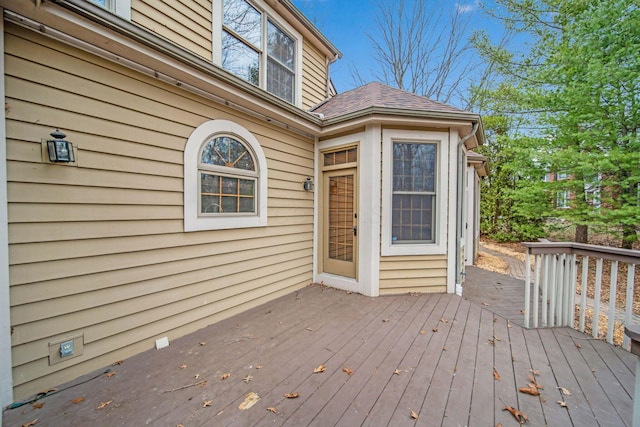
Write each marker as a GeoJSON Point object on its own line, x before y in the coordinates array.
{"type": "Point", "coordinates": [355, 230]}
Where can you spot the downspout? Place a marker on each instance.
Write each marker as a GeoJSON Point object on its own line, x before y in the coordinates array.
{"type": "Point", "coordinates": [460, 202]}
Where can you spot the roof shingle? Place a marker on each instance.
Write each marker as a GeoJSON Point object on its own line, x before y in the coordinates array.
{"type": "Point", "coordinates": [379, 95]}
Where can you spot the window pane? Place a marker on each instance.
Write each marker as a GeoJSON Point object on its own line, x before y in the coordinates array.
{"type": "Point", "coordinates": [247, 187]}
{"type": "Point", "coordinates": [224, 194]}
{"type": "Point", "coordinates": [246, 204]}
{"type": "Point", "coordinates": [229, 204]}
{"type": "Point", "coordinates": [244, 20]}
{"type": "Point", "coordinates": [240, 59]}
{"type": "Point", "coordinates": [229, 185]}
{"type": "Point", "coordinates": [209, 183]}
{"type": "Point", "coordinates": [280, 81]}
{"type": "Point", "coordinates": [280, 46]}
{"type": "Point", "coordinates": [414, 167]}
{"type": "Point", "coordinates": [228, 152]}
{"type": "Point", "coordinates": [412, 218]}
{"type": "Point", "coordinates": [210, 204]}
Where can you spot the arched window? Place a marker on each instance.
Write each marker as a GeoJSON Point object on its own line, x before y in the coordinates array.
{"type": "Point", "coordinates": [225, 181]}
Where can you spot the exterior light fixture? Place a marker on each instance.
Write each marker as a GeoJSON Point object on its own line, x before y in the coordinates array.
{"type": "Point", "coordinates": [308, 184]}
{"type": "Point", "coordinates": [60, 151]}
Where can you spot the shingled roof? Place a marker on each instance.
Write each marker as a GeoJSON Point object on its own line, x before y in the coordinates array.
{"type": "Point", "coordinates": [379, 95]}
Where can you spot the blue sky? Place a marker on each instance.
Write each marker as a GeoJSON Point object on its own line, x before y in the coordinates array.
{"type": "Point", "coordinates": [346, 22]}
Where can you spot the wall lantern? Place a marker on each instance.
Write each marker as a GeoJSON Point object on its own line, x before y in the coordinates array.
{"type": "Point", "coordinates": [308, 184]}
{"type": "Point", "coordinates": [60, 151]}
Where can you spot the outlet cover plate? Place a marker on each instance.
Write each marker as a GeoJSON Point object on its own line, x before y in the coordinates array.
{"type": "Point", "coordinates": [73, 345]}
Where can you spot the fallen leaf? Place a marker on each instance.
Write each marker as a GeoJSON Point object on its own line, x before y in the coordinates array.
{"type": "Point", "coordinates": [443, 320]}
{"type": "Point", "coordinates": [496, 338]}
{"type": "Point", "coordinates": [292, 395]}
{"type": "Point", "coordinates": [31, 423]}
{"type": "Point", "coordinates": [532, 390]}
{"type": "Point", "coordinates": [220, 412]}
{"type": "Point", "coordinates": [519, 416]}
{"type": "Point", "coordinates": [109, 374]}
{"type": "Point", "coordinates": [522, 311]}
{"type": "Point", "coordinates": [423, 332]}
{"type": "Point", "coordinates": [486, 304]}
{"type": "Point", "coordinates": [37, 405]}
{"type": "Point", "coordinates": [247, 379]}
{"type": "Point", "coordinates": [414, 415]}
{"type": "Point", "coordinates": [207, 403]}
{"type": "Point", "coordinates": [561, 403]}
{"type": "Point", "coordinates": [397, 372]}
{"type": "Point", "coordinates": [578, 345]}
{"type": "Point", "coordinates": [258, 366]}
{"type": "Point", "coordinates": [435, 329]}
{"type": "Point", "coordinates": [77, 400]}
{"type": "Point", "coordinates": [564, 391]}
{"type": "Point", "coordinates": [104, 404]}
{"type": "Point", "coordinates": [492, 342]}
{"type": "Point", "coordinates": [444, 348]}
{"type": "Point", "coordinates": [535, 372]}
{"type": "Point", "coordinates": [385, 320]}
{"type": "Point", "coordinates": [272, 409]}
{"type": "Point", "coordinates": [119, 362]}
{"type": "Point", "coordinates": [249, 400]}
{"type": "Point", "coordinates": [347, 371]}
{"type": "Point", "coordinates": [349, 292]}
{"type": "Point", "coordinates": [499, 425]}
{"type": "Point", "coordinates": [202, 343]}
{"type": "Point", "coordinates": [225, 376]}
{"type": "Point", "coordinates": [496, 375]}
{"type": "Point", "coordinates": [309, 329]}
{"type": "Point", "coordinates": [196, 376]}
{"type": "Point", "coordinates": [183, 366]}
{"type": "Point", "coordinates": [319, 369]}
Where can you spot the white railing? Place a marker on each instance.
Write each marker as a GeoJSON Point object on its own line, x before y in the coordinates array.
{"type": "Point", "coordinates": [551, 299]}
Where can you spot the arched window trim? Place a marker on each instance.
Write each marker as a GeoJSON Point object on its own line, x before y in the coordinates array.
{"type": "Point", "coordinates": [193, 221]}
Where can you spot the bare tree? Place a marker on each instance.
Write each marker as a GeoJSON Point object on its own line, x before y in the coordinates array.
{"type": "Point", "coordinates": [421, 48]}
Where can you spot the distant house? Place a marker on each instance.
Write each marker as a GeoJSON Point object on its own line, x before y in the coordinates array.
{"type": "Point", "coordinates": [204, 167]}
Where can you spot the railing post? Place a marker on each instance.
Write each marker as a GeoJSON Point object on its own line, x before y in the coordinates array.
{"type": "Point", "coordinates": [545, 289]}
{"type": "Point", "coordinates": [631, 269]}
{"type": "Point", "coordinates": [527, 289]}
{"type": "Point", "coordinates": [536, 290]}
{"type": "Point", "coordinates": [612, 301]}
{"type": "Point", "coordinates": [596, 299]}
{"type": "Point", "coordinates": [583, 291]}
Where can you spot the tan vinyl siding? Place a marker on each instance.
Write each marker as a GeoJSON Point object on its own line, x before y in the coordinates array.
{"type": "Point", "coordinates": [186, 23]}
{"type": "Point", "coordinates": [99, 248]}
{"type": "Point", "coordinates": [402, 274]}
{"type": "Point", "coordinates": [314, 76]}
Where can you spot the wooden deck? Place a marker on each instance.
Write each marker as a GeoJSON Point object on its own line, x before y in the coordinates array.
{"type": "Point", "coordinates": [432, 354]}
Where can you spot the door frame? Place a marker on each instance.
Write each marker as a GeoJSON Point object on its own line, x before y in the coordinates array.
{"type": "Point", "coordinates": [349, 169]}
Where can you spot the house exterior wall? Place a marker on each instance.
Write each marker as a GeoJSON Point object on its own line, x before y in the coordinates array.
{"type": "Point", "coordinates": [98, 249]}
{"type": "Point", "coordinates": [314, 76]}
{"type": "Point", "coordinates": [186, 23]}
{"type": "Point", "coordinates": [402, 274]}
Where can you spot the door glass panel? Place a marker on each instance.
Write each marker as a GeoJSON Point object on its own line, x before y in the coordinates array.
{"type": "Point", "coordinates": [341, 237]}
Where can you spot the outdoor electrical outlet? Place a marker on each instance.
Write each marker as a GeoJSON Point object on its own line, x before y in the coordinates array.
{"type": "Point", "coordinates": [66, 348]}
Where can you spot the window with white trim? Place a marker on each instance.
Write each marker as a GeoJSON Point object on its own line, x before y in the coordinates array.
{"type": "Point", "coordinates": [257, 47]}
{"type": "Point", "coordinates": [225, 178]}
{"type": "Point", "coordinates": [414, 192]}
{"type": "Point", "coordinates": [122, 8]}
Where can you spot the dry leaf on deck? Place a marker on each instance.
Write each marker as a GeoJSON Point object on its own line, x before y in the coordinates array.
{"type": "Point", "coordinates": [119, 362]}
{"type": "Point", "coordinates": [532, 390]}
{"type": "Point", "coordinates": [104, 404]}
{"type": "Point", "coordinates": [496, 375]}
{"type": "Point", "coordinates": [225, 376]}
{"type": "Point", "coordinates": [292, 395]}
{"type": "Point", "coordinates": [196, 376]}
{"type": "Point", "coordinates": [37, 405]}
{"type": "Point", "coordinates": [259, 366]}
{"type": "Point", "coordinates": [435, 329]}
{"type": "Point", "coordinates": [183, 366]}
{"type": "Point", "coordinates": [202, 343]}
{"type": "Point", "coordinates": [397, 372]}
{"type": "Point", "coordinates": [207, 403]}
{"type": "Point", "coordinates": [347, 371]}
{"type": "Point", "coordinates": [496, 338]}
{"type": "Point", "coordinates": [443, 320]}
{"type": "Point", "coordinates": [249, 400]}
{"type": "Point", "coordinates": [31, 423]}
{"type": "Point", "coordinates": [220, 412]}
{"type": "Point", "coordinates": [564, 391]}
{"type": "Point", "coordinates": [385, 320]}
{"type": "Point", "coordinates": [309, 329]}
{"type": "Point", "coordinates": [109, 374]}
{"type": "Point", "coordinates": [319, 369]}
{"type": "Point", "coordinates": [491, 342]}
{"type": "Point", "coordinates": [414, 415]}
{"type": "Point", "coordinates": [519, 416]}
{"type": "Point", "coordinates": [423, 332]}
{"type": "Point", "coordinates": [561, 403]}
{"type": "Point", "coordinates": [77, 400]}
{"type": "Point", "coordinates": [578, 345]}
{"type": "Point", "coordinates": [272, 409]}
{"type": "Point", "coordinates": [486, 304]}
{"type": "Point", "coordinates": [247, 379]}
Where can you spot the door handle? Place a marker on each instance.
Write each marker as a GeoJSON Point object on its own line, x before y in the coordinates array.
{"type": "Point", "coordinates": [355, 230]}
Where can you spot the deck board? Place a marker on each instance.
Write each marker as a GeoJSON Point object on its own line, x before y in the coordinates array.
{"type": "Point", "coordinates": [445, 376]}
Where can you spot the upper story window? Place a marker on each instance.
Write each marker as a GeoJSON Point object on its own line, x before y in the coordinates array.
{"type": "Point", "coordinates": [255, 46]}
{"type": "Point", "coordinates": [225, 178]}
{"type": "Point", "coordinates": [121, 8]}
